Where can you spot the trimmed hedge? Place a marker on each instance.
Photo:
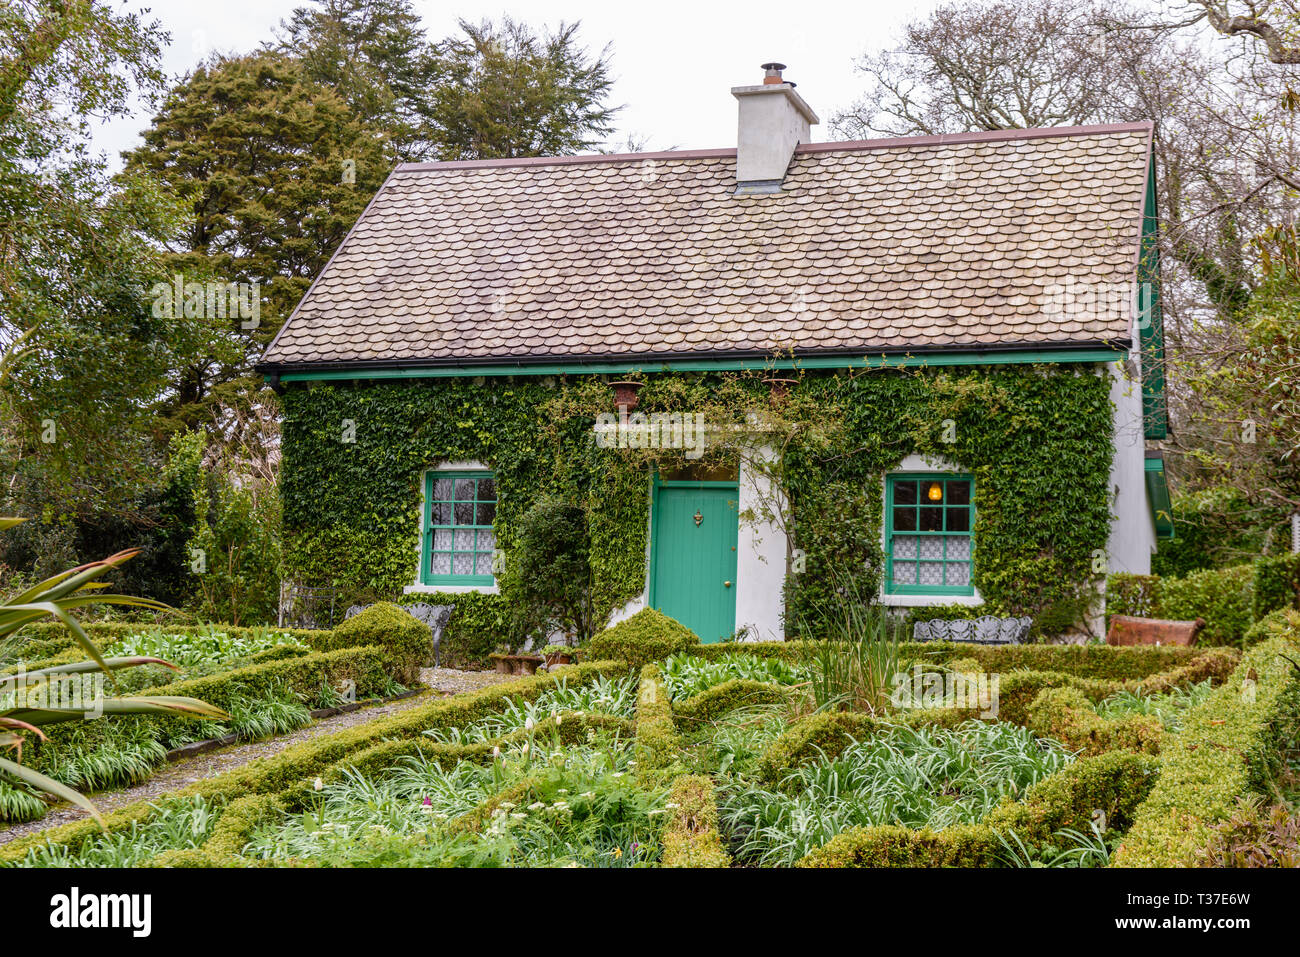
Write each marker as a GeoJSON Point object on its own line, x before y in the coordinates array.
{"type": "Point", "coordinates": [1114, 783]}
{"type": "Point", "coordinates": [656, 737]}
{"type": "Point", "coordinates": [645, 637]}
{"type": "Point", "coordinates": [406, 642]}
{"type": "Point", "coordinates": [691, 837]}
{"type": "Point", "coordinates": [1229, 747]}
{"type": "Point", "coordinates": [1229, 599]}
{"type": "Point", "coordinates": [1067, 716]}
{"type": "Point", "coordinates": [297, 764]}
{"type": "Point", "coordinates": [1277, 584]}
{"type": "Point", "coordinates": [713, 703]}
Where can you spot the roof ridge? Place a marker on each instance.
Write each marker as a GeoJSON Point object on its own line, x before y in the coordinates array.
{"type": "Point", "coordinates": [831, 146]}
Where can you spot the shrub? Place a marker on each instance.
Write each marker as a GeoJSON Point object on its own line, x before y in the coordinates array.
{"type": "Point", "coordinates": [1228, 748]}
{"type": "Point", "coordinates": [647, 636]}
{"type": "Point", "coordinates": [691, 837]}
{"type": "Point", "coordinates": [550, 570]}
{"type": "Point", "coordinates": [1277, 584]}
{"type": "Point", "coordinates": [1255, 836]}
{"type": "Point", "coordinates": [1222, 596]}
{"type": "Point", "coordinates": [405, 642]}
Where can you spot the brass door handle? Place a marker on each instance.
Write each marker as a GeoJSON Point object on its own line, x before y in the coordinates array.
{"type": "Point", "coordinates": [726, 584]}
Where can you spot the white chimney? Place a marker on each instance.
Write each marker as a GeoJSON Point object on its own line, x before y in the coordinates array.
{"type": "Point", "coordinates": [774, 119]}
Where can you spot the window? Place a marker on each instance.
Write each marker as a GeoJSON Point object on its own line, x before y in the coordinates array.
{"type": "Point", "coordinates": [458, 511]}
{"type": "Point", "coordinates": [928, 541]}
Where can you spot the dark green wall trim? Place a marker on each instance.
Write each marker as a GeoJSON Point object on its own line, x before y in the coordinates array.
{"type": "Point", "coordinates": [1155, 411]}
{"type": "Point", "coordinates": [911, 360]}
{"type": "Point", "coordinates": [1158, 498]}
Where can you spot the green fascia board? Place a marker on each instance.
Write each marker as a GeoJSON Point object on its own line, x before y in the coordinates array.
{"type": "Point", "coordinates": [908, 361]}
{"type": "Point", "coordinates": [1158, 499]}
{"type": "Point", "coordinates": [1155, 409]}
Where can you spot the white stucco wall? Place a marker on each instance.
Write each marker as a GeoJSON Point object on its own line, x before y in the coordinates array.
{"type": "Point", "coordinates": [1132, 532]}
{"type": "Point", "coordinates": [761, 551]}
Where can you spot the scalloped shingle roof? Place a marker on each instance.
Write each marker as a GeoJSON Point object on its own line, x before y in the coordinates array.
{"type": "Point", "coordinates": [877, 246]}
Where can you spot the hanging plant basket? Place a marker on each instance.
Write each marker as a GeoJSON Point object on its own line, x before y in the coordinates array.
{"type": "Point", "coordinates": [625, 394]}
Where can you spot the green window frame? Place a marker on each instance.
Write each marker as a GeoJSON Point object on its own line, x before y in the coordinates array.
{"type": "Point", "coordinates": [458, 542]}
{"type": "Point", "coordinates": [929, 544]}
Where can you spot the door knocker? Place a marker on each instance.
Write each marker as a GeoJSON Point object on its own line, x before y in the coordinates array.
{"type": "Point", "coordinates": [698, 518]}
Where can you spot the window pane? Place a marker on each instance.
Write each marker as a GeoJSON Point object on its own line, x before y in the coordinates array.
{"type": "Point", "coordinates": [483, 563]}
{"type": "Point", "coordinates": [905, 547]}
{"type": "Point", "coordinates": [442, 489]}
{"type": "Point", "coordinates": [487, 511]}
{"type": "Point", "coordinates": [487, 490]}
{"type": "Point", "coordinates": [957, 574]}
{"type": "Point", "coordinates": [442, 539]}
{"type": "Point", "coordinates": [904, 573]}
{"type": "Point", "coordinates": [905, 493]}
{"type": "Point", "coordinates": [931, 573]}
{"type": "Point", "coordinates": [440, 513]}
{"type": "Point", "coordinates": [931, 548]}
{"type": "Point", "coordinates": [463, 564]}
{"type": "Point", "coordinates": [958, 547]}
{"type": "Point", "coordinates": [959, 493]}
{"type": "Point", "coordinates": [931, 519]}
{"type": "Point", "coordinates": [464, 490]}
{"type": "Point", "coordinates": [464, 540]}
{"type": "Point", "coordinates": [958, 519]}
{"type": "Point", "coordinates": [464, 513]}
{"type": "Point", "coordinates": [440, 564]}
{"type": "Point", "coordinates": [486, 540]}
{"type": "Point", "coordinates": [905, 519]}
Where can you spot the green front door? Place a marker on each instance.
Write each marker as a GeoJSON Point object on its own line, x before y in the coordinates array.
{"type": "Point", "coordinates": [693, 557]}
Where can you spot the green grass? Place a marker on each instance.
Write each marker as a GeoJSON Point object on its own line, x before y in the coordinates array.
{"type": "Point", "coordinates": [1169, 707]}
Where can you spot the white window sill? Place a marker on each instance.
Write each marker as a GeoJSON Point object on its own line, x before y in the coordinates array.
{"type": "Point", "coordinates": [921, 601]}
{"type": "Point", "coordinates": [450, 589]}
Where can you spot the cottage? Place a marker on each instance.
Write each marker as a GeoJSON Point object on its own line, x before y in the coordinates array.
{"type": "Point", "coordinates": [979, 311]}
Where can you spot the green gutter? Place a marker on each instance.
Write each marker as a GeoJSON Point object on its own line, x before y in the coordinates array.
{"type": "Point", "coordinates": [715, 365]}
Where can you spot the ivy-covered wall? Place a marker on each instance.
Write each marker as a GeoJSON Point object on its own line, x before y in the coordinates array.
{"type": "Point", "coordinates": [1037, 439]}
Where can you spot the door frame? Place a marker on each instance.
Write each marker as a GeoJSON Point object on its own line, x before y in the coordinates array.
{"type": "Point", "coordinates": [661, 483]}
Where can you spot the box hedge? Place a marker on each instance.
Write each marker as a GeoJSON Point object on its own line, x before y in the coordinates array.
{"type": "Point", "coordinates": [1229, 747]}
{"type": "Point", "coordinates": [691, 837]}
{"type": "Point", "coordinates": [405, 642]}
{"type": "Point", "coordinates": [647, 636]}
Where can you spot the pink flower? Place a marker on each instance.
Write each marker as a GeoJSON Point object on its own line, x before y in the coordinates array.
{"type": "Point", "coordinates": [428, 802]}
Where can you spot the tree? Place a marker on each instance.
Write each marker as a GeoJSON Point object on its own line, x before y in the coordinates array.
{"type": "Point", "coordinates": [275, 169]}
{"type": "Point", "coordinates": [83, 358]}
{"type": "Point", "coordinates": [502, 90]}
{"type": "Point", "coordinates": [373, 53]}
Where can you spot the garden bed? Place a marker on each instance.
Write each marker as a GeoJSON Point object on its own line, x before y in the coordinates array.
{"type": "Point", "coordinates": [680, 754]}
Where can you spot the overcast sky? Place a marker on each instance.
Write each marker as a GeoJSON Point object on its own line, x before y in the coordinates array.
{"type": "Point", "coordinates": [675, 60]}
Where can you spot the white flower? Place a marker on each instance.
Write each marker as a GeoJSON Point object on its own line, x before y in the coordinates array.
{"type": "Point", "coordinates": [318, 784]}
{"type": "Point", "coordinates": [528, 724]}
{"type": "Point", "coordinates": [559, 720]}
{"type": "Point", "coordinates": [536, 806]}
{"type": "Point", "coordinates": [519, 817]}
{"type": "Point", "coordinates": [496, 751]}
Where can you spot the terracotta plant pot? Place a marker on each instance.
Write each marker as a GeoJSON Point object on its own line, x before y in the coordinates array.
{"type": "Point", "coordinates": [556, 658]}
{"type": "Point", "coordinates": [516, 664]}
{"type": "Point", "coordinates": [625, 394]}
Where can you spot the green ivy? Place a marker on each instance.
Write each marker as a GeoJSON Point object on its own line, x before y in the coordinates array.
{"type": "Point", "coordinates": [1037, 439]}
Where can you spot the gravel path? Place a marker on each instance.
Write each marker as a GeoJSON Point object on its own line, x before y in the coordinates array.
{"type": "Point", "coordinates": [443, 682]}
